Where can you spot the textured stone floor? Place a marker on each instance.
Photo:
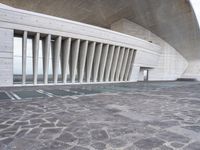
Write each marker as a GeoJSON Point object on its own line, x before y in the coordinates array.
{"type": "Point", "coordinates": [132, 116]}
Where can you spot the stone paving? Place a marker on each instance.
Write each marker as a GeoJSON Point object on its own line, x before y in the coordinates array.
{"type": "Point", "coordinates": [131, 116]}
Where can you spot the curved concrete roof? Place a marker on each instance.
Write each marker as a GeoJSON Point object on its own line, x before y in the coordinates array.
{"type": "Point", "coordinates": [172, 20]}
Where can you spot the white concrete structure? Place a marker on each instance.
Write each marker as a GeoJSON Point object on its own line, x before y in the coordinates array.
{"type": "Point", "coordinates": [70, 52]}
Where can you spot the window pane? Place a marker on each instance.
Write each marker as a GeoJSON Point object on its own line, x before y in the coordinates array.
{"type": "Point", "coordinates": [17, 70]}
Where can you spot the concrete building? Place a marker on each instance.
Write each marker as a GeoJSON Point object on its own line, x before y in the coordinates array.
{"type": "Point", "coordinates": [126, 41]}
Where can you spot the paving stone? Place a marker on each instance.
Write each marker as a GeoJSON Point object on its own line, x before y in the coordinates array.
{"type": "Point", "coordinates": [170, 137]}
{"type": "Point", "coordinates": [46, 125]}
{"type": "Point", "coordinates": [3, 126]}
{"type": "Point", "coordinates": [37, 121]}
{"type": "Point", "coordinates": [78, 148]}
{"type": "Point", "coordinates": [52, 130]}
{"type": "Point", "coordinates": [4, 96]}
{"type": "Point", "coordinates": [117, 143]}
{"type": "Point", "coordinates": [193, 146]}
{"type": "Point", "coordinates": [66, 137]}
{"type": "Point", "coordinates": [99, 146]}
{"type": "Point", "coordinates": [193, 128]}
{"type": "Point", "coordinates": [21, 133]}
{"type": "Point", "coordinates": [55, 145]}
{"type": "Point", "coordinates": [99, 135]}
{"type": "Point", "coordinates": [149, 143]}
{"type": "Point", "coordinates": [177, 145]}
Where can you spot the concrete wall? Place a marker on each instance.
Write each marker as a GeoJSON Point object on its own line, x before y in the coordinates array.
{"type": "Point", "coordinates": [81, 41]}
{"type": "Point", "coordinates": [6, 57]}
{"type": "Point", "coordinates": [170, 65]}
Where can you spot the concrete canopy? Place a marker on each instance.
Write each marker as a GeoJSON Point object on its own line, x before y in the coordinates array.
{"type": "Point", "coordinates": [172, 20]}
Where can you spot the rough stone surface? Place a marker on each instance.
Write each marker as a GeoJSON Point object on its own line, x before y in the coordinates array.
{"type": "Point", "coordinates": [131, 116]}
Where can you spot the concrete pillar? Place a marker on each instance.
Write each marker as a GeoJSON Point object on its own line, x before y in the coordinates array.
{"type": "Point", "coordinates": [46, 54]}
{"type": "Point", "coordinates": [97, 59]}
{"type": "Point", "coordinates": [56, 59]}
{"type": "Point", "coordinates": [128, 65]}
{"type": "Point", "coordinates": [132, 66]}
{"type": "Point", "coordinates": [35, 57]}
{"type": "Point", "coordinates": [90, 57]}
{"type": "Point", "coordinates": [124, 62]}
{"type": "Point", "coordinates": [24, 56]}
{"type": "Point", "coordinates": [66, 53]}
{"type": "Point", "coordinates": [103, 62]}
{"type": "Point", "coordinates": [114, 63]}
{"type": "Point", "coordinates": [109, 62]}
{"type": "Point", "coordinates": [74, 59]}
{"type": "Point", "coordinates": [119, 63]}
{"type": "Point", "coordinates": [82, 59]}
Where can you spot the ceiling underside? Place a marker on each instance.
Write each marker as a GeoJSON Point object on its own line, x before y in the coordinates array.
{"type": "Point", "coordinates": [172, 20]}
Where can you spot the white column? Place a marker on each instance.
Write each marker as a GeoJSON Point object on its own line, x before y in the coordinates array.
{"type": "Point", "coordinates": [97, 58]}
{"type": "Point", "coordinates": [124, 62]}
{"type": "Point", "coordinates": [119, 63]}
{"type": "Point", "coordinates": [56, 58]}
{"type": "Point", "coordinates": [109, 62]}
{"type": "Point", "coordinates": [35, 56]}
{"type": "Point", "coordinates": [24, 55]}
{"type": "Point", "coordinates": [90, 57]}
{"type": "Point", "coordinates": [103, 62]}
{"type": "Point", "coordinates": [82, 59]}
{"type": "Point", "coordinates": [132, 65]}
{"type": "Point", "coordinates": [74, 59]}
{"type": "Point", "coordinates": [114, 63]}
{"type": "Point", "coordinates": [66, 52]}
{"type": "Point", "coordinates": [47, 46]}
{"type": "Point", "coordinates": [128, 65]}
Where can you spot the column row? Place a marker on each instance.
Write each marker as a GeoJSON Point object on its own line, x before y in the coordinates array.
{"type": "Point", "coordinates": [56, 59]}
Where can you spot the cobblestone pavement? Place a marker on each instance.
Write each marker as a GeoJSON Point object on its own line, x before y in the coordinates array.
{"type": "Point", "coordinates": [131, 116]}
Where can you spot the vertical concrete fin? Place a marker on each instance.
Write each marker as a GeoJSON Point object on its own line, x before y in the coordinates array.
{"type": "Point", "coordinates": [24, 56]}
{"type": "Point", "coordinates": [90, 57]}
{"type": "Point", "coordinates": [119, 63]}
{"type": "Point", "coordinates": [56, 58]}
{"type": "Point", "coordinates": [74, 59]}
{"type": "Point", "coordinates": [82, 59]}
{"type": "Point", "coordinates": [97, 59]}
{"type": "Point", "coordinates": [36, 41]}
{"type": "Point", "coordinates": [128, 64]}
{"type": "Point", "coordinates": [46, 52]}
{"type": "Point", "coordinates": [103, 62]}
{"type": "Point", "coordinates": [114, 63]}
{"type": "Point", "coordinates": [132, 64]}
{"type": "Point", "coordinates": [109, 62]}
{"type": "Point", "coordinates": [124, 62]}
{"type": "Point", "coordinates": [66, 53]}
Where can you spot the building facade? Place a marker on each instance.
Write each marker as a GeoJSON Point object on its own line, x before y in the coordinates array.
{"type": "Point", "coordinates": [39, 49]}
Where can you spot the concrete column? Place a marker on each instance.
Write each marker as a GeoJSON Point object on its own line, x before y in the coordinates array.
{"type": "Point", "coordinates": [56, 58]}
{"type": "Point", "coordinates": [35, 56]}
{"type": "Point", "coordinates": [66, 53]}
{"type": "Point", "coordinates": [46, 54]}
{"type": "Point", "coordinates": [124, 62]}
{"type": "Point", "coordinates": [119, 63]}
{"type": "Point", "coordinates": [132, 65]}
{"type": "Point", "coordinates": [97, 59]}
{"type": "Point", "coordinates": [109, 62]}
{"type": "Point", "coordinates": [74, 59]}
{"type": "Point", "coordinates": [114, 63]}
{"type": "Point", "coordinates": [82, 59]}
{"type": "Point", "coordinates": [103, 62]}
{"type": "Point", "coordinates": [24, 56]}
{"type": "Point", "coordinates": [90, 57]}
{"type": "Point", "coordinates": [128, 65]}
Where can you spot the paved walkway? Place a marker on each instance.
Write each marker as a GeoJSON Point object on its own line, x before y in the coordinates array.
{"type": "Point", "coordinates": [132, 116]}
